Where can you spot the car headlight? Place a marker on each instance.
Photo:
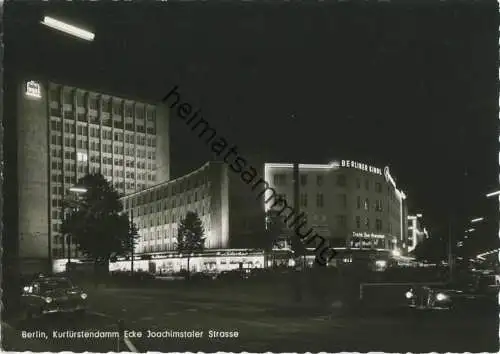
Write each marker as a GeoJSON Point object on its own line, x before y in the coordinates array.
{"type": "Point", "coordinates": [441, 297]}
{"type": "Point", "coordinates": [83, 296]}
{"type": "Point", "coordinates": [48, 300]}
{"type": "Point", "coordinates": [409, 294]}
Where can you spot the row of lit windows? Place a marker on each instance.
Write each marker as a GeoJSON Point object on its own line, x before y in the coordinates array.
{"type": "Point", "coordinates": [163, 218]}
{"type": "Point", "coordinates": [366, 224]}
{"type": "Point", "coordinates": [158, 248]}
{"type": "Point", "coordinates": [95, 101]}
{"type": "Point", "coordinates": [166, 191]}
{"type": "Point", "coordinates": [105, 121]}
{"type": "Point", "coordinates": [169, 204]}
{"type": "Point", "coordinates": [95, 147]}
{"type": "Point", "coordinates": [280, 179]}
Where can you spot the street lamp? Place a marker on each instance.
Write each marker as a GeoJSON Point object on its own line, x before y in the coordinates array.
{"type": "Point", "coordinates": [67, 28]}
{"type": "Point", "coordinates": [73, 204]}
{"type": "Point", "coordinates": [492, 194]}
{"type": "Point", "coordinates": [476, 220]}
{"type": "Point", "coordinates": [78, 189]}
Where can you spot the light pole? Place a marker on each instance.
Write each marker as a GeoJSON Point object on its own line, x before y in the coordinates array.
{"type": "Point", "coordinates": [133, 245]}
{"type": "Point", "coordinates": [78, 190]}
{"type": "Point", "coordinates": [450, 249]}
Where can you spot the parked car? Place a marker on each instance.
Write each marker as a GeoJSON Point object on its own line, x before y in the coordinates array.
{"type": "Point", "coordinates": [46, 295]}
{"type": "Point", "coordinates": [476, 294]}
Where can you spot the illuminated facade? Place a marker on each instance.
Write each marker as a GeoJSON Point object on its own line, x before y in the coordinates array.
{"type": "Point", "coordinates": [209, 191]}
{"type": "Point", "coordinates": [157, 211]}
{"type": "Point", "coordinates": [65, 132]}
{"type": "Point", "coordinates": [416, 233]}
{"type": "Point", "coordinates": [351, 204]}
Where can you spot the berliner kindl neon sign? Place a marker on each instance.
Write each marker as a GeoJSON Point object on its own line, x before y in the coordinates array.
{"type": "Point", "coordinates": [360, 166]}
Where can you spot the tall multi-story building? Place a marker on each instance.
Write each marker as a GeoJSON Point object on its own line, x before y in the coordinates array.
{"type": "Point", "coordinates": [416, 233]}
{"type": "Point", "coordinates": [64, 132]}
{"type": "Point", "coordinates": [351, 204]}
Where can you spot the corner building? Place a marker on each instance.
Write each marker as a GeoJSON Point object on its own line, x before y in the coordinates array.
{"type": "Point", "coordinates": [350, 204]}
{"type": "Point", "coordinates": [229, 217]}
{"type": "Point", "coordinates": [64, 132]}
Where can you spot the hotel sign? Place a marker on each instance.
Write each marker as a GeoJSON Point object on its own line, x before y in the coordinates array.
{"type": "Point", "coordinates": [33, 89]}
{"type": "Point", "coordinates": [360, 166]}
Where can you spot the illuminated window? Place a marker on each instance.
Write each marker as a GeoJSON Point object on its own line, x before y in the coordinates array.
{"type": "Point", "coordinates": [367, 204]}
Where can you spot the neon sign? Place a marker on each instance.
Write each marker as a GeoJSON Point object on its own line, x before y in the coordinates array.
{"type": "Point", "coordinates": [360, 166]}
{"type": "Point", "coordinates": [367, 235]}
{"type": "Point", "coordinates": [388, 176]}
{"type": "Point", "coordinates": [33, 89]}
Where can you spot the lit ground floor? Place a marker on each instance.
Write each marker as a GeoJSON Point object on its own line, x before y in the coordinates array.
{"type": "Point", "coordinates": [170, 262]}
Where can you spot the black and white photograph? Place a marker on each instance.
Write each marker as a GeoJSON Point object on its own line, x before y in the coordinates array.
{"type": "Point", "coordinates": [250, 176]}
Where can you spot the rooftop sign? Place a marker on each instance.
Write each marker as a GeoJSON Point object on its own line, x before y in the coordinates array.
{"type": "Point", "coordinates": [360, 166]}
{"type": "Point", "coordinates": [33, 89]}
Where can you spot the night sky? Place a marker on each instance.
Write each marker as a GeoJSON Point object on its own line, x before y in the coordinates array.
{"type": "Point", "coordinates": [409, 86]}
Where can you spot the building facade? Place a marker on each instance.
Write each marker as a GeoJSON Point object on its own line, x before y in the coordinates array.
{"type": "Point", "coordinates": [351, 204]}
{"type": "Point", "coordinates": [65, 132]}
{"type": "Point", "coordinates": [230, 221]}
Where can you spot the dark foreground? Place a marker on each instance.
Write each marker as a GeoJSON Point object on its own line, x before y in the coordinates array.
{"type": "Point", "coordinates": [261, 324]}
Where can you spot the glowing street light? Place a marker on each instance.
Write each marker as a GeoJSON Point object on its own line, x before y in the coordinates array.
{"type": "Point", "coordinates": [476, 220]}
{"type": "Point", "coordinates": [67, 28]}
{"type": "Point", "coordinates": [471, 230]}
{"type": "Point", "coordinates": [78, 189]}
{"type": "Point", "coordinates": [419, 215]}
{"type": "Point", "coordinates": [492, 194]}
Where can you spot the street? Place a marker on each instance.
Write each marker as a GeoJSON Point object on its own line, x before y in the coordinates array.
{"type": "Point", "coordinates": [259, 327]}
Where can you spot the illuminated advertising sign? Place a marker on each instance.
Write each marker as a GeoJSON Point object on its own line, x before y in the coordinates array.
{"type": "Point", "coordinates": [388, 176]}
{"type": "Point", "coordinates": [367, 235]}
{"type": "Point", "coordinates": [33, 89]}
{"type": "Point", "coordinates": [360, 166]}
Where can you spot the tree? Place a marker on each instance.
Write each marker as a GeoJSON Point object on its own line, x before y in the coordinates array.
{"type": "Point", "coordinates": [190, 236]}
{"type": "Point", "coordinates": [99, 226]}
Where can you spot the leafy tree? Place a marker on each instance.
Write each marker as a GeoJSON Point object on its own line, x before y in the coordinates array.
{"type": "Point", "coordinates": [99, 226]}
{"type": "Point", "coordinates": [190, 236]}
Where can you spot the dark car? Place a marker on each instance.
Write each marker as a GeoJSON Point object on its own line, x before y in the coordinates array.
{"type": "Point", "coordinates": [46, 295]}
{"type": "Point", "coordinates": [475, 294]}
